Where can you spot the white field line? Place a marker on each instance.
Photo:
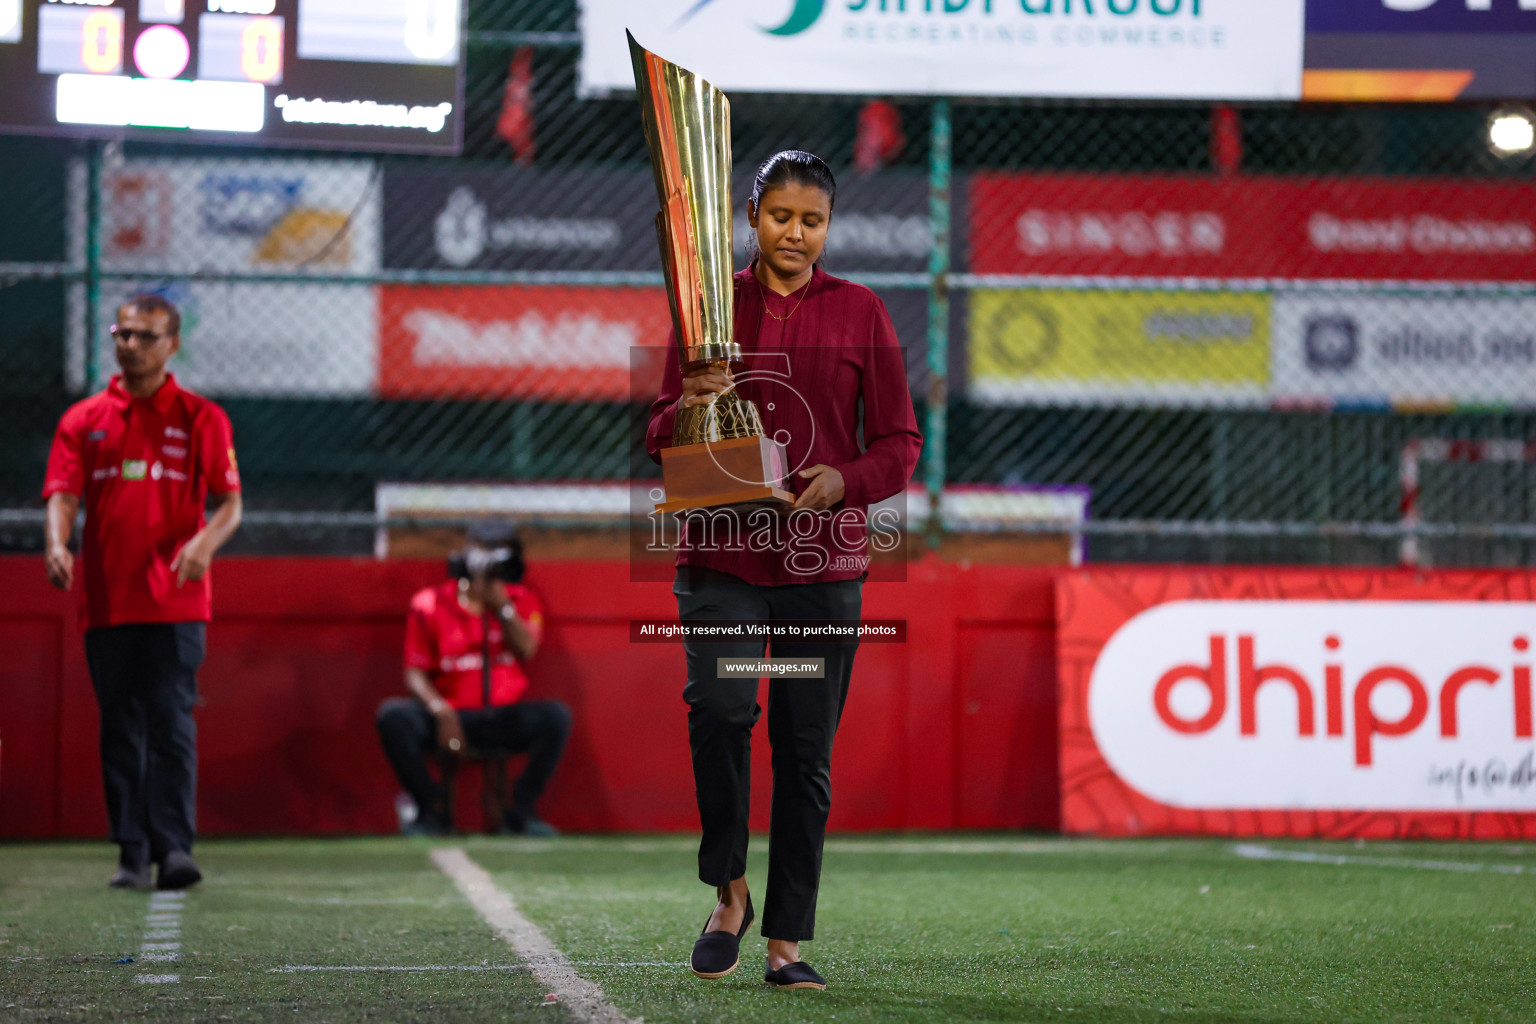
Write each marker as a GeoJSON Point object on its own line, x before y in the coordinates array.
{"type": "Point", "coordinates": [161, 923]}
{"type": "Point", "coordinates": [306, 968]}
{"type": "Point", "coordinates": [1018, 846]}
{"type": "Point", "coordinates": [905, 845]}
{"type": "Point", "coordinates": [1253, 851]}
{"type": "Point", "coordinates": [550, 968]}
{"type": "Point", "coordinates": [369, 901]}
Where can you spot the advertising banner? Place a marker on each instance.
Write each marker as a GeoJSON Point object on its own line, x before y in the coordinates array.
{"type": "Point", "coordinates": [165, 220]}
{"type": "Point", "coordinates": [1338, 348]}
{"type": "Point", "coordinates": [259, 339]}
{"type": "Point", "coordinates": [604, 220]}
{"type": "Point", "coordinates": [1166, 226]}
{"type": "Point", "coordinates": [1124, 49]}
{"type": "Point", "coordinates": [1297, 703]}
{"type": "Point", "coordinates": [519, 219]}
{"type": "Point", "coordinates": [1204, 348]}
{"type": "Point", "coordinates": [596, 219]}
{"type": "Point", "coordinates": [1420, 49]}
{"type": "Point", "coordinates": [174, 216]}
{"type": "Point", "coordinates": [880, 222]}
{"type": "Point", "coordinates": [561, 344]}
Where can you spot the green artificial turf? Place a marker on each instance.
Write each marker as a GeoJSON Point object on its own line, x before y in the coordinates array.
{"type": "Point", "coordinates": [936, 930]}
{"type": "Point", "coordinates": [262, 906]}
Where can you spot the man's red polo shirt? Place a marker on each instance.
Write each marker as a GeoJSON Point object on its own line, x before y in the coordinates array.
{"type": "Point", "coordinates": [143, 468]}
{"type": "Point", "coordinates": [445, 641]}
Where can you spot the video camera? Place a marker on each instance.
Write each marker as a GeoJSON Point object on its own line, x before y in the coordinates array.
{"type": "Point", "coordinates": [493, 555]}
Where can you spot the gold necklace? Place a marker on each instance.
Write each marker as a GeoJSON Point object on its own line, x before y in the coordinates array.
{"type": "Point", "coordinates": [792, 312]}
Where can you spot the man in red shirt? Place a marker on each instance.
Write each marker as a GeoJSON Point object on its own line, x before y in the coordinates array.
{"type": "Point", "coordinates": [466, 642]}
{"type": "Point", "coordinates": [145, 456]}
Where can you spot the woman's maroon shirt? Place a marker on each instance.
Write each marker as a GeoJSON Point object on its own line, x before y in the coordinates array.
{"type": "Point", "coordinates": [842, 354]}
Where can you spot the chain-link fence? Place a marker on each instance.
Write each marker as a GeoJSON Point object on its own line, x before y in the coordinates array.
{"type": "Point", "coordinates": [1240, 333]}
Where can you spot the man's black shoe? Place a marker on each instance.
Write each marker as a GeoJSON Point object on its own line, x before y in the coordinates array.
{"type": "Point", "coordinates": [718, 953]}
{"type": "Point", "coordinates": [128, 876]}
{"type": "Point", "coordinates": [178, 871]}
{"type": "Point", "coordinates": [796, 975]}
{"type": "Point", "coordinates": [426, 825]}
{"type": "Point", "coordinates": [524, 825]}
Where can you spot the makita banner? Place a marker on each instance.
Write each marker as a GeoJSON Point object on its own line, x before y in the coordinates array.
{"type": "Point", "coordinates": [1176, 226]}
{"type": "Point", "coordinates": [1297, 703]}
{"type": "Point", "coordinates": [1420, 49]}
{"type": "Point", "coordinates": [1123, 49]}
{"type": "Point", "coordinates": [552, 343]}
{"type": "Point", "coordinates": [562, 344]}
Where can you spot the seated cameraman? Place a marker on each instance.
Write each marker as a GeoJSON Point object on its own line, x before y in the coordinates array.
{"type": "Point", "coordinates": [466, 643]}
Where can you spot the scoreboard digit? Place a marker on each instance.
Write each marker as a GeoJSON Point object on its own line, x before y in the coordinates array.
{"type": "Point", "coordinates": [261, 50]}
{"type": "Point", "coordinates": [373, 75]}
{"type": "Point", "coordinates": [10, 21]}
{"type": "Point", "coordinates": [101, 43]}
{"type": "Point", "coordinates": [431, 28]}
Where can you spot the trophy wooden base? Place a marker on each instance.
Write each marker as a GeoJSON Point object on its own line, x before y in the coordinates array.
{"type": "Point", "coordinates": [717, 473]}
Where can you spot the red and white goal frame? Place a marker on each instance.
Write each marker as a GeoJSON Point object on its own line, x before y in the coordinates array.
{"type": "Point", "coordinates": [1433, 449]}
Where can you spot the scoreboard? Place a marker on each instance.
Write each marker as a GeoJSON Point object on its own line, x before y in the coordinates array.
{"type": "Point", "coordinates": [349, 74]}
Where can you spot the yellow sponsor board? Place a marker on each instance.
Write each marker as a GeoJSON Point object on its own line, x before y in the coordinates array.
{"type": "Point", "coordinates": [1031, 345]}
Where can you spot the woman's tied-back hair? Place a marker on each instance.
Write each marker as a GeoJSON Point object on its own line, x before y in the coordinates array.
{"type": "Point", "coordinates": [793, 166]}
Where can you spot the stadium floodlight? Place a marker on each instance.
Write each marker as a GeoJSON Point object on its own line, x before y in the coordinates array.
{"type": "Point", "coordinates": [1511, 132]}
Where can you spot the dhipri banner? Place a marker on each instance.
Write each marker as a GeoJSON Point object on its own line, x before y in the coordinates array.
{"type": "Point", "coordinates": [1246, 228]}
{"type": "Point", "coordinates": [560, 344]}
{"type": "Point", "coordinates": [1297, 703]}
{"type": "Point", "coordinates": [1333, 348]}
{"type": "Point", "coordinates": [1125, 49]}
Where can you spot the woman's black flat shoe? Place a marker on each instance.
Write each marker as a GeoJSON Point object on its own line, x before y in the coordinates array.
{"type": "Point", "coordinates": [795, 975]}
{"type": "Point", "coordinates": [718, 953]}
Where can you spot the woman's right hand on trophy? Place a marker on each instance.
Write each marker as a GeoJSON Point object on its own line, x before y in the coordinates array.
{"type": "Point", "coordinates": [702, 385]}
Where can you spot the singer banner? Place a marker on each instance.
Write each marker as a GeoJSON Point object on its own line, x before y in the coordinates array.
{"type": "Point", "coordinates": [1175, 226]}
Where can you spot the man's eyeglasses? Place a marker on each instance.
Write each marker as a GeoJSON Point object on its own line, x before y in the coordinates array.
{"type": "Point", "coordinates": [127, 334]}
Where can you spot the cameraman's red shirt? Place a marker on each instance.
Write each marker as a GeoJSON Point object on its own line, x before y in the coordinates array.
{"type": "Point", "coordinates": [445, 641]}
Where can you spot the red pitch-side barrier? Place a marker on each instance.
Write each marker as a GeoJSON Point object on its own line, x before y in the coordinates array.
{"type": "Point", "coordinates": [1229, 702]}
{"type": "Point", "coordinates": [955, 729]}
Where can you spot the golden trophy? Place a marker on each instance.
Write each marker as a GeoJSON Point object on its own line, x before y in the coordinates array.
{"type": "Point", "coordinates": [719, 453]}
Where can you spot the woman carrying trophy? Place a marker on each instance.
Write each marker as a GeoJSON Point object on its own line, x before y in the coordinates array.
{"type": "Point", "coordinates": [835, 372]}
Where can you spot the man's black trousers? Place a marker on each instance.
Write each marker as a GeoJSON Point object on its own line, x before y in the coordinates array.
{"type": "Point", "coordinates": [537, 727]}
{"type": "Point", "coordinates": [802, 720]}
{"type": "Point", "coordinates": [145, 677]}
